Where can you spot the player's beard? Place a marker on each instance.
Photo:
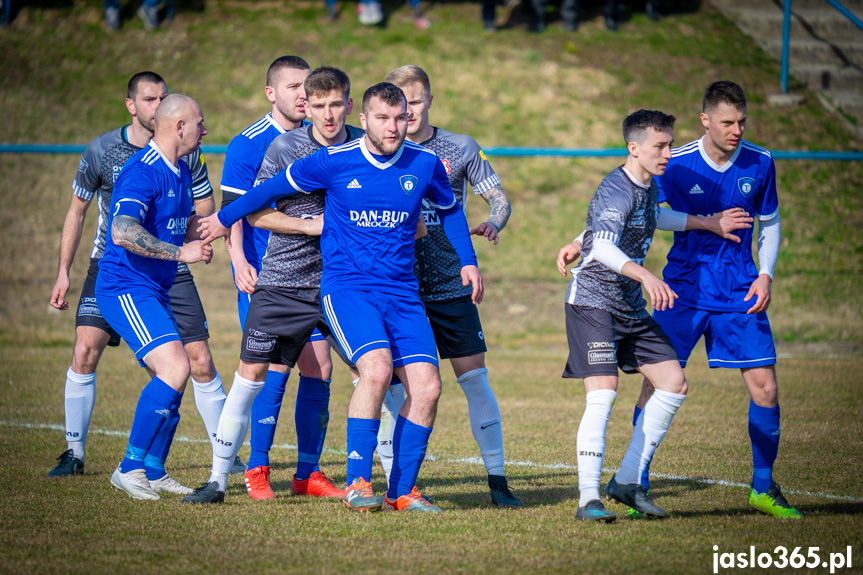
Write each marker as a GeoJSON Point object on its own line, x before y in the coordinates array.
{"type": "Point", "coordinates": [384, 147]}
{"type": "Point", "coordinates": [290, 111]}
{"type": "Point", "coordinates": [149, 125]}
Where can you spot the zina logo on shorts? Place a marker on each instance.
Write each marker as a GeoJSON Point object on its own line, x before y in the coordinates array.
{"type": "Point", "coordinates": [378, 219]}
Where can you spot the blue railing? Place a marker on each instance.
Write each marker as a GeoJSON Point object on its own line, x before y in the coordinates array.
{"type": "Point", "coordinates": [500, 152]}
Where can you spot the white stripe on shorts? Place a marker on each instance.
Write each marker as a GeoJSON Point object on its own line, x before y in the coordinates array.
{"type": "Point", "coordinates": [134, 319]}
{"type": "Point", "coordinates": [336, 328]}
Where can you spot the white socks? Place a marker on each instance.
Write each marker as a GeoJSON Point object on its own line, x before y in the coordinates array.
{"type": "Point", "coordinates": [484, 418]}
{"type": "Point", "coordinates": [209, 399]}
{"type": "Point", "coordinates": [80, 398]}
{"type": "Point", "coordinates": [233, 425]}
{"type": "Point", "coordinates": [393, 401]}
{"type": "Point", "coordinates": [647, 434]}
{"type": "Point", "coordinates": [590, 442]}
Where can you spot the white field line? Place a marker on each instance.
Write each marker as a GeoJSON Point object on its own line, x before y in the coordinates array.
{"type": "Point", "coordinates": [463, 460]}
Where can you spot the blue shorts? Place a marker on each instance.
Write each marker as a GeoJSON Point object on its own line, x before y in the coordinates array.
{"type": "Point", "coordinates": [362, 321]}
{"type": "Point", "coordinates": [245, 299]}
{"type": "Point", "coordinates": [143, 320]}
{"type": "Point", "coordinates": [733, 339]}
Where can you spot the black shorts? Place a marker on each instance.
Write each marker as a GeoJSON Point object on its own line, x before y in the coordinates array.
{"type": "Point", "coordinates": [456, 326]}
{"type": "Point", "coordinates": [185, 306]}
{"type": "Point", "coordinates": [279, 323]}
{"type": "Point", "coordinates": [600, 342]}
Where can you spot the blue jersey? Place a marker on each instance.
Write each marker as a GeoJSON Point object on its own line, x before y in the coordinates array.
{"type": "Point", "coordinates": [242, 162]}
{"type": "Point", "coordinates": [372, 207]}
{"type": "Point", "coordinates": [706, 271]}
{"type": "Point", "coordinates": [159, 195]}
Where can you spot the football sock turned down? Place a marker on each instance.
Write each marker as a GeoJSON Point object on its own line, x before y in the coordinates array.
{"type": "Point", "coordinates": [232, 427]}
{"type": "Point", "coordinates": [590, 442]}
{"type": "Point", "coordinates": [647, 434]}
{"type": "Point", "coordinates": [484, 418]}
{"type": "Point", "coordinates": [764, 435]}
{"type": "Point", "coordinates": [154, 407]}
{"type": "Point", "coordinates": [410, 442]}
{"type": "Point", "coordinates": [265, 416]}
{"type": "Point", "coordinates": [311, 417]}
{"type": "Point", "coordinates": [209, 399]}
{"type": "Point", "coordinates": [154, 462]}
{"type": "Point", "coordinates": [80, 395]}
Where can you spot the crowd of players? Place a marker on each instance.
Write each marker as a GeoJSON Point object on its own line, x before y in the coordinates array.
{"type": "Point", "coordinates": [356, 239]}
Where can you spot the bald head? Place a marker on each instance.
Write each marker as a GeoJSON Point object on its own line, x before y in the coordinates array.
{"type": "Point", "coordinates": [179, 124]}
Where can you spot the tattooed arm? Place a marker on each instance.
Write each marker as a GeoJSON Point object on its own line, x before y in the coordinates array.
{"type": "Point", "coordinates": [500, 212]}
{"type": "Point", "coordinates": [129, 234]}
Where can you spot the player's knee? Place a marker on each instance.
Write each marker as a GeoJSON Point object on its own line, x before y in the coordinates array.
{"type": "Point", "coordinates": [85, 358]}
{"type": "Point", "coordinates": [201, 362]}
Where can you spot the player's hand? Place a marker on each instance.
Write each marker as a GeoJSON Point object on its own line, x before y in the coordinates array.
{"type": "Point", "coordinates": [487, 230]}
{"type": "Point", "coordinates": [58, 294]}
{"type": "Point", "coordinates": [568, 254]}
{"type": "Point", "coordinates": [196, 251]}
{"type": "Point", "coordinates": [211, 228]}
{"type": "Point", "coordinates": [470, 277]}
{"type": "Point", "coordinates": [728, 221]}
{"type": "Point", "coordinates": [760, 288]}
{"type": "Point", "coordinates": [661, 295]}
{"type": "Point", "coordinates": [245, 277]}
{"type": "Point", "coordinates": [315, 226]}
{"type": "Point", "coordinates": [422, 230]}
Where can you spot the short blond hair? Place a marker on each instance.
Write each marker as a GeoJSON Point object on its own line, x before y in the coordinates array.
{"type": "Point", "coordinates": [409, 74]}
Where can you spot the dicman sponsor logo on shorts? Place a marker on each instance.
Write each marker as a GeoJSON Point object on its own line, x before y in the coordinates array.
{"type": "Point", "coordinates": [177, 226]}
{"type": "Point", "coordinates": [601, 352]}
{"type": "Point", "coordinates": [378, 218]}
{"type": "Point", "coordinates": [611, 215]}
{"type": "Point", "coordinates": [266, 345]}
{"type": "Point", "coordinates": [87, 306]}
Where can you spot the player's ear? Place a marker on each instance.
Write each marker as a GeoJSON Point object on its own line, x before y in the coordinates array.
{"type": "Point", "coordinates": [705, 121]}
{"type": "Point", "coordinates": [130, 106]}
{"type": "Point", "coordinates": [431, 97]}
{"type": "Point", "coordinates": [632, 148]}
{"type": "Point", "coordinates": [363, 122]}
{"type": "Point", "coordinates": [271, 94]}
{"type": "Point", "coordinates": [350, 106]}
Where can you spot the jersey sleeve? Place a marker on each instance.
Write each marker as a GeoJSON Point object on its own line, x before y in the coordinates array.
{"type": "Point", "coordinates": [88, 178]}
{"type": "Point", "coordinates": [610, 212]}
{"type": "Point", "coordinates": [238, 174]}
{"type": "Point", "coordinates": [277, 158]}
{"type": "Point", "coordinates": [310, 173]}
{"type": "Point", "coordinates": [768, 204]}
{"type": "Point", "coordinates": [134, 192]}
{"type": "Point", "coordinates": [201, 187]}
{"type": "Point", "coordinates": [478, 170]}
{"type": "Point", "coordinates": [439, 191]}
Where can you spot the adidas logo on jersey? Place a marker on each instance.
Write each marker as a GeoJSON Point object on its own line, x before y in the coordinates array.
{"type": "Point", "coordinates": [163, 412]}
{"type": "Point", "coordinates": [696, 189]}
{"type": "Point", "coordinates": [354, 184]}
{"type": "Point", "coordinates": [354, 455]}
{"type": "Point", "coordinates": [267, 421]}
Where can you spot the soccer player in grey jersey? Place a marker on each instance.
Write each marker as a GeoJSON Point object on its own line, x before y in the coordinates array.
{"type": "Point", "coordinates": [285, 306]}
{"type": "Point", "coordinates": [453, 317]}
{"type": "Point", "coordinates": [607, 325]}
{"type": "Point", "coordinates": [97, 172]}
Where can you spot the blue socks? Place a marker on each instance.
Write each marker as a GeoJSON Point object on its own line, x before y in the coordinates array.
{"type": "Point", "coordinates": [410, 442]}
{"type": "Point", "coordinates": [764, 435]}
{"type": "Point", "coordinates": [154, 462]}
{"type": "Point", "coordinates": [155, 406]}
{"type": "Point", "coordinates": [311, 417]}
{"type": "Point", "coordinates": [362, 441]}
{"type": "Point", "coordinates": [645, 477]}
{"type": "Point", "coordinates": [265, 416]}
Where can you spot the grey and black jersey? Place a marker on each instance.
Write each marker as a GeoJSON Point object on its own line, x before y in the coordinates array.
{"type": "Point", "coordinates": [294, 260]}
{"type": "Point", "coordinates": [625, 213]}
{"type": "Point", "coordinates": [436, 264]}
{"type": "Point", "coordinates": [100, 167]}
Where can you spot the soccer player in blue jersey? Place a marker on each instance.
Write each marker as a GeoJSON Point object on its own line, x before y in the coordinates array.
{"type": "Point", "coordinates": [151, 217]}
{"type": "Point", "coordinates": [724, 296]}
{"type": "Point", "coordinates": [453, 317]}
{"type": "Point", "coordinates": [97, 174]}
{"type": "Point", "coordinates": [374, 191]}
{"type": "Point", "coordinates": [246, 152]}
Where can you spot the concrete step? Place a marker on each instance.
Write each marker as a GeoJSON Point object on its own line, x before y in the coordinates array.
{"type": "Point", "coordinates": [830, 77]}
{"type": "Point", "coordinates": [841, 52]}
{"type": "Point", "coordinates": [805, 23]}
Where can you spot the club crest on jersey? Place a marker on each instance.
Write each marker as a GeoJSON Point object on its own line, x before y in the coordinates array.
{"type": "Point", "coordinates": [83, 165]}
{"type": "Point", "coordinates": [746, 186]}
{"type": "Point", "coordinates": [409, 184]}
{"type": "Point", "coordinates": [188, 190]}
{"type": "Point", "coordinates": [445, 163]}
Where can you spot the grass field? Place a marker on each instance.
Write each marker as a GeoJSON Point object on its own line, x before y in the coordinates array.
{"type": "Point", "coordinates": [62, 79]}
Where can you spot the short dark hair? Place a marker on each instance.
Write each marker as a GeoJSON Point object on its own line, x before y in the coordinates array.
{"type": "Point", "coordinates": [636, 124]}
{"type": "Point", "coordinates": [326, 79]}
{"type": "Point", "coordinates": [285, 63]}
{"type": "Point", "coordinates": [726, 92]}
{"type": "Point", "coordinates": [147, 78]}
{"type": "Point", "coordinates": [391, 95]}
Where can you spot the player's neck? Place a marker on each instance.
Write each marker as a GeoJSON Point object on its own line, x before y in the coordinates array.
{"type": "Point", "coordinates": [635, 171]}
{"type": "Point", "coordinates": [718, 156]}
{"type": "Point", "coordinates": [286, 124]}
{"type": "Point", "coordinates": [169, 149]}
{"type": "Point", "coordinates": [138, 135]}
{"type": "Point", "coordinates": [422, 135]}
